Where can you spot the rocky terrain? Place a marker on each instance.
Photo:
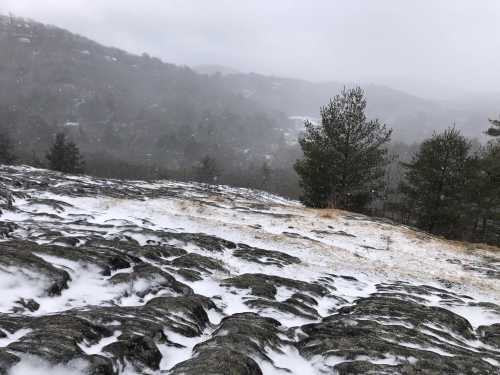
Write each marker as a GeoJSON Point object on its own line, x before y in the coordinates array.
{"type": "Point", "coordinates": [110, 277]}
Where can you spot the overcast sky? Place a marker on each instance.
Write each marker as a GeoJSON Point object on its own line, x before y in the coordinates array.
{"type": "Point", "coordinates": [429, 47]}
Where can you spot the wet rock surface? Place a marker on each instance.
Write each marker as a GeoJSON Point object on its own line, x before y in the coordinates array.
{"type": "Point", "coordinates": [373, 347]}
{"type": "Point", "coordinates": [113, 277]}
{"type": "Point", "coordinates": [18, 257]}
{"type": "Point", "coordinates": [266, 257]}
{"type": "Point", "coordinates": [263, 285]}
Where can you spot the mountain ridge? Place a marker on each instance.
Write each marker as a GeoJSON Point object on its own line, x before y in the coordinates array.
{"type": "Point", "coordinates": [122, 102]}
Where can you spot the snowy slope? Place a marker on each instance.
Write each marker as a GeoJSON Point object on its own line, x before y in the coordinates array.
{"type": "Point", "coordinates": [107, 277]}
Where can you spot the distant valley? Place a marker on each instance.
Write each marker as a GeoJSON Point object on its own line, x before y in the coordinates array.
{"type": "Point", "coordinates": [139, 110]}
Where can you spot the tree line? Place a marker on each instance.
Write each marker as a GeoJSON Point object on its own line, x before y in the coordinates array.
{"type": "Point", "coordinates": [447, 187]}
{"type": "Point", "coordinates": [65, 156]}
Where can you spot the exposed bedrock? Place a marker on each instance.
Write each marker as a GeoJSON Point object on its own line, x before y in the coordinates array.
{"type": "Point", "coordinates": [129, 277]}
{"type": "Point", "coordinates": [387, 335]}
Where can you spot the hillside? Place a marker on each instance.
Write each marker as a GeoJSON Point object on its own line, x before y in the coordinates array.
{"type": "Point", "coordinates": [140, 110]}
{"type": "Point", "coordinates": [113, 277]}
{"type": "Point", "coordinates": [412, 118]}
{"type": "Point", "coordinates": [134, 108]}
{"type": "Point", "coordinates": [210, 69]}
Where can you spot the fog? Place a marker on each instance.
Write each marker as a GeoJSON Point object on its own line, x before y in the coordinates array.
{"type": "Point", "coordinates": [437, 49]}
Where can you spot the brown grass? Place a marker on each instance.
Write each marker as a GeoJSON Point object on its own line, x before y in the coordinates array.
{"type": "Point", "coordinates": [331, 213]}
{"type": "Point", "coordinates": [469, 246]}
{"type": "Point", "coordinates": [216, 197]}
{"type": "Point", "coordinates": [326, 213]}
{"type": "Point", "coordinates": [459, 245]}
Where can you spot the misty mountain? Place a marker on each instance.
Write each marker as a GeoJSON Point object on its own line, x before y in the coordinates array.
{"type": "Point", "coordinates": [413, 118]}
{"type": "Point", "coordinates": [140, 109]}
{"type": "Point", "coordinates": [132, 107]}
{"type": "Point", "coordinates": [214, 69]}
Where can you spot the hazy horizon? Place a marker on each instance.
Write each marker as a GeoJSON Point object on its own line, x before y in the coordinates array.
{"type": "Point", "coordinates": [433, 49]}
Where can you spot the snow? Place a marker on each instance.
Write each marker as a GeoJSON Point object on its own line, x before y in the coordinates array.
{"type": "Point", "coordinates": [360, 251]}
{"type": "Point", "coordinates": [19, 283]}
{"type": "Point", "coordinates": [477, 316]}
{"type": "Point", "coordinates": [331, 253]}
{"type": "Point", "coordinates": [13, 337]}
{"type": "Point", "coordinates": [97, 348]}
{"type": "Point", "coordinates": [231, 300]}
{"type": "Point", "coordinates": [87, 287]}
{"type": "Point", "coordinates": [289, 362]}
{"type": "Point", "coordinates": [492, 361]}
{"type": "Point", "coordinates": [173, 355]}
{"type": "Point", "coordinates": [30, 365]}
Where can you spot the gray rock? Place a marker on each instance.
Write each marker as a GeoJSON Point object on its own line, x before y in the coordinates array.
{"type": "Point", "coordinates": [266, 257]}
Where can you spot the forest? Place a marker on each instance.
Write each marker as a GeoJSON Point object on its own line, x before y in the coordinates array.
{"type": "Point", "coordinates": [125, 116]}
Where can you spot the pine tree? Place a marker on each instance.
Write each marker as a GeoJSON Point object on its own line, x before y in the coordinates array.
{"type": "Point", "coordinates": [6, 149]}
{"type": "Point", "coordinates": [344, 156]}
{"type": "Point", "coordinates": [207, 171]}
{"type": "Point", "coordinates": [436, 182]}
{"type": "Point", "coordinates": [265, 171]}
{"type": "Point", "coordinates": [64, 156]}
{"type": "Point", "coordinates": [485, 192]}
{"type": "Point", "coordinates": [483, 196]}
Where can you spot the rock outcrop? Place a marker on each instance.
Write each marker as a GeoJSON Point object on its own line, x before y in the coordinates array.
{"type": "Point", "coordinates": [107, 277]}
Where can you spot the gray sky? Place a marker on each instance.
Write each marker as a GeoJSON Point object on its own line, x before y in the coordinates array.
{"type": "Point", "coordinates": [432, 48]}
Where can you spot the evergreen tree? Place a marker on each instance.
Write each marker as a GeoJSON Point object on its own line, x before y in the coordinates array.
{"type": "Point", "coordinates": [484, 195]}
{"type": "Point", "coordinates": [6, 149]}
{"type": "Point", "coordinates": [64, 156]}
{"type": "Point", "coordinates": [436, 182]}
{"type": "Point", "coordinates": [485, 192]}
{"type": "Point", "coordinates": [207, 170]}
{"type": "Point", "coordinates": [35, 160]}
{"type": "Point", "coordinates": [265, 172]}
{"type": "Point", "coordinates": [344, 156]}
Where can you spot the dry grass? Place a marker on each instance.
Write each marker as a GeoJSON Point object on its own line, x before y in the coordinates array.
{"type": "Point", "coordinates": [415, 233]}
{"type": "Point", "coordinates": [468, 246]}
{"type": "Point", "coordinates": [327, 213]}
{"type": "Point", "coordinates": [459, 245]}
{"type": "Point", "coordinates": [216, 198]}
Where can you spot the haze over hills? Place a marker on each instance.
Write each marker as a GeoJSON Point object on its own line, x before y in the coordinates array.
{"type": "Point", "coordinates": [413, 118]}
{"type": "Point", "coordinates": [210, 69]}
{"type": "Point", "coordinates": [137, 108]}
{"type": "Point", "coordinates": [62, 78]}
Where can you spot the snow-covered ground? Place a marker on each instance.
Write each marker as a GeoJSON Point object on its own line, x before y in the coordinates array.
{"type": "Point", "coordinates": [352, 258]}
